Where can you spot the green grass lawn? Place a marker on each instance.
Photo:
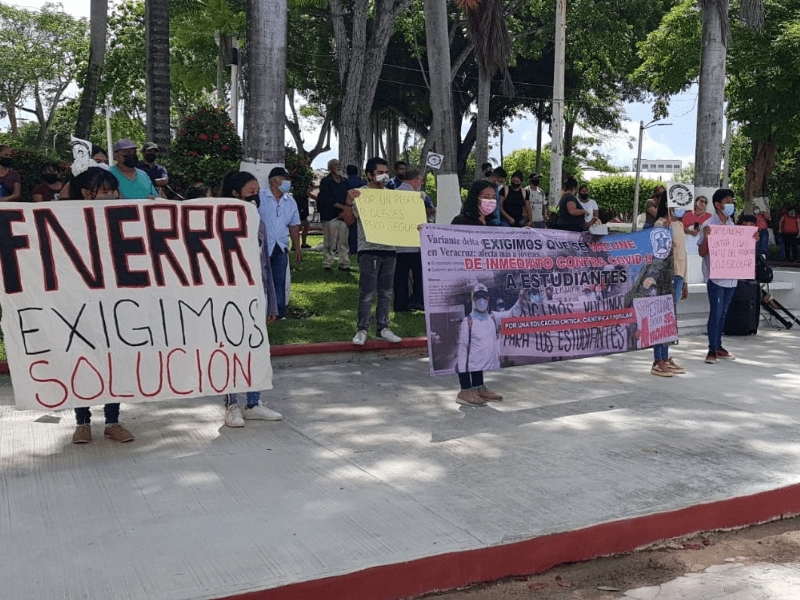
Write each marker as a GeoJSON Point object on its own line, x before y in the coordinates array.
{"type": "Point", "coordinates": [328, 301]}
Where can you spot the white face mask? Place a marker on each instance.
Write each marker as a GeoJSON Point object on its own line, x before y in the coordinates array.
{"type": "Point", "coordinates": [481, 304]}
{"type": "Point", "coordinates": [382, 178]}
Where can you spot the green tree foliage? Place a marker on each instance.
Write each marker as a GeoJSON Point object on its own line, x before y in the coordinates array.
{"type": "Point", "coordinates": [41, 54]}
{"type": "Point", "coordinates": [205, 148]}
{"type": "Point", "coordinates": [300, 170]}
{"type": "Point", "coordinates": [615, 193]}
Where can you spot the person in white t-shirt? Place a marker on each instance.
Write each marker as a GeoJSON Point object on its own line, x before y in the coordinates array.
{"type": "Point", "coordinates": [592, 216]}
{"type": "Point", "coordinates": [537, 202]}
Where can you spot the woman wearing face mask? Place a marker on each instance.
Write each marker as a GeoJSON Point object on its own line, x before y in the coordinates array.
{"type": "Point", "coordinates": [50, 188]}
{"type": "Point", "coordinates": [514, 207]}
{"type": "Point", "coordinates": [663, 365]}
{"type": "Point", "coordinates": [592, 216]}
{"type": "Point", "coordinates": [788, 228]}
{"type": "Point", "coordinates": [243, 185]}
{"type": "Point", "coordinates": [97, 184]}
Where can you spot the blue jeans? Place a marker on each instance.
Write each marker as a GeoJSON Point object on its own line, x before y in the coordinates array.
{"type": "Point", "coordinates": [252, 399]}
{"type": "Point", "coordinates": [83, 415]}
{"type": "Point", "coordinates": [763, 241]}
{"type": "Point", "coordinates": [661, 352]}
{"type": "Point", "coordinates": [279, 261]}
{"type": "Point", "coordinates": [719, 299]}
{"type": "Point", "coordinates": [376, 276]}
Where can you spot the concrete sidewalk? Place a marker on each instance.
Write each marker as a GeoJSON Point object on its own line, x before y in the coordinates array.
{"type": "Point", "coordinates": [378, 485]}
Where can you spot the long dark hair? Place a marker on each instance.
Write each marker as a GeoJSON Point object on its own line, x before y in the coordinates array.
{"type": "Point", "coordinates": [235, 180]}
{"type": "Point", "coordinates": [92, 179]}
{"type": "Point", "coordinates": [470, 208]}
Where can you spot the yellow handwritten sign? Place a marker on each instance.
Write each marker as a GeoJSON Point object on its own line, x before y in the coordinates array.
{"type": "Point", "coordinates": [390, 217]}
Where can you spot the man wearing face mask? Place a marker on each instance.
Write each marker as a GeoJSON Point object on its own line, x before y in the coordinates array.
{"type": "Point", "coordinates": [133, 183]}
{"type": "Point", "coordinates": [10, 180]}
{"type": "Point", "coordinates": [50, 188]}
{"type": "Point", "coordinates": [157, 173]}
{"type": "Point", "coordinates": [279, 212]}
{"type": "Point", "coordinates": [720, 291]}
{"type": "Point", "coordinates": [376, 263]}
{"type": "Point", "coordinates": [537, 202]}
{"type": "Point", "coordinates": [788, 227]}
{"type": "Point", "coordinates": [336, 217]}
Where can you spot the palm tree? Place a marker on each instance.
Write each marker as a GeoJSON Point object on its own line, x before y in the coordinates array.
{"type": "Point", "coordinates": [487, 28]}
{"type": "Point", "coordinates": [267, 30]}
{"type": "Point", "coordinates": [711, 97]}
{"type": "Point", "coordinates": [158, 84]}
{"type": "Point", "coordinates": [97, 52]}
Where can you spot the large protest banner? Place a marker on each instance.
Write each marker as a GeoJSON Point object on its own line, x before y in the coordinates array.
{"type": "Point", "coordinates": [132, 300]}
{"type": "Point", "coordinates": [553, 295]}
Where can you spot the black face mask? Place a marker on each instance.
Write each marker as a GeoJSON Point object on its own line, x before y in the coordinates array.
{"type": "Point", "coordinates": [6, 161]}
{"type": "Point", "coordinates": [151, 158]}
{"type": "Point", "coordinates": [535, 182]}
{"type": "Point", "coordinates": [515, 186]}
{"type": "Point", "coordinates": [49, 177]}
{"type": "Point", "coordinates": [130, 161]}
{"type": "Point", "coordinates": [487, 173]}
{"type": "Point", "coordinates": [583, 196]}
{"type": "Point", "coordinates": [254, 199]}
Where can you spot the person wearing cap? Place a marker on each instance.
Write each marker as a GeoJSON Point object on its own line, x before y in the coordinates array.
{"type": "Point", "coordinates": [157, 173]}
{"type": "Point", "coordinates": [133, 182]}
{"type": "Point", "coordinates": [477, 349]}
{"type": "Point", "coordinates": [279, 212]}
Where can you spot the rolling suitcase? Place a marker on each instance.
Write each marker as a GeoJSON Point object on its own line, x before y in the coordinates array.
{"type": "Point", "coordinates": [744, 310]}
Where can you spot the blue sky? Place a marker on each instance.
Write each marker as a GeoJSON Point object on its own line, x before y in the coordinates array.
{"type": "Point", "coordinates": [662, 142]}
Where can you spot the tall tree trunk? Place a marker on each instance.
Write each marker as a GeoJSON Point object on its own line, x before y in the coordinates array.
{"type": "Point", "coordinates": [158, 84]}
{"type": "Point", "coordinates": [569, 132]}
{"type": "Point", "coordinates": [97, 52]}
{"type": "Point", "coordinates": [360, 59]}
{"type": "Point", "coordinates": [442, 130]}
{"type": "Point", "coordinates": [267, 31]}
{"type": "Point", "coordinates": [482, 121]}
{"type": "Point", "coordinates": [711, 98]}
{"type": "Point", "coordinates": [759, 170]}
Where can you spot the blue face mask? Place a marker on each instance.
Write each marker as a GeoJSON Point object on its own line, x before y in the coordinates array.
{"type": "Point", "coordinates": [729, 210]}
{"type": "Point", "coordinates": [481, 304]}
{"type": "Point", "coordinates": [285, 186]}
{"type": "Point", "coordinates": [679, 212]}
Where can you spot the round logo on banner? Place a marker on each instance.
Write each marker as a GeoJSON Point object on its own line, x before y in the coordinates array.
{"type": "Point", "coordinates": [661, 239]}
{"type": "Point", "coordinates": [680, 195]}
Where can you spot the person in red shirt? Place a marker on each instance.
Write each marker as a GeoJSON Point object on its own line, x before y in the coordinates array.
{"type": "Point", "coordinates": [788, 228]}
{"type": "Point", "coordinates": [694, 219]}
{"type": "Point", "coordinates": [51, 187]}
{"type": "Point", "coordinates": [763, 223]}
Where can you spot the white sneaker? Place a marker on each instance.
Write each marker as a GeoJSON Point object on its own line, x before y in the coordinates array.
{"type": "Point", "coordinates": [360, 338]}
{"type": "Point", "coordinates": [233, 416]}
{"type": "Point", "coordinates": [261, 412]}
{"type": "Point", "coordinates": [389, 335]}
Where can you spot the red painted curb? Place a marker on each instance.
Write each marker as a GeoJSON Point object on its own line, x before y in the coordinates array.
{"type": "Point", "coordinates": [449, 571]}
{"type": "Point", "coordinates": [329, 347]}
{"type": "Point", "coordinates": [322, 348]}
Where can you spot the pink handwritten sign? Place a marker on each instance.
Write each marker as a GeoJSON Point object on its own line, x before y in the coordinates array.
{"type": "Point", "coordinates": [655, 320]}
{"type": "Point", "coordinates": [732, 252]}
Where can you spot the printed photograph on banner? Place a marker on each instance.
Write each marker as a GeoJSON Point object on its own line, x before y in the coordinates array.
{"type": "Point", "coordinates": [391, 217]}
{"type": "Point", "coordinates": [132, 301]}
{"type": "Point", "coordinates": [499, 297]}
{"type": "Point", "coordinates": [680, 195]}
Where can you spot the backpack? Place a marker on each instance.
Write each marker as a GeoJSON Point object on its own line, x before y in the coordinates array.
{"type": "Point", "coordinates": [764, 272]}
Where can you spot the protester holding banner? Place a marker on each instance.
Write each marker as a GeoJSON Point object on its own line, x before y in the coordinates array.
{"type": "Point", "coordinates": [376, 263]}
{"type": "Point", "coordinates": [592, 216]}
{"type": "Point", "coordinates": [244, 185]}
{"type": "Point", "coordinates": [720, 291]}
{"type": "Point", "coordinates": [98, 184]}
{"type": "Point", "coordinates": [50, 188]}
{"type": "Point", "coordinates": [571, 217]}
{"type": "Point", "coordinates": [133, 182]}
{"type": "Point", "coordinates": [663, 365]}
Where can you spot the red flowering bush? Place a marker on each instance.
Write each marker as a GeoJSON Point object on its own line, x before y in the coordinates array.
{"type": "Point", "coordinates": [206, 147]}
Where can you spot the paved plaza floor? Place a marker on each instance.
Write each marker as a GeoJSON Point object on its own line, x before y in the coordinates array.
{"type": "Point", "coordinates": [376, 465]}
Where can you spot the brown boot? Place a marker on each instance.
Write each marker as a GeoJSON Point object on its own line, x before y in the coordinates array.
{"type": "Point", "coordinates": [661, 369]}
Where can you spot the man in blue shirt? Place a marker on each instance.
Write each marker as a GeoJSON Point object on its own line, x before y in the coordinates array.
{"type": "Point", "coordinates": [157, 173]}
{"type": "Point", "coordinates": [279, 212]}
{"type": "Point", "coordinates": [133, 183]}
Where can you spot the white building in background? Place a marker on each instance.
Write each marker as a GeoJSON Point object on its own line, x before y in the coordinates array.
{"type": "Point", "coordinates": [668, 166]}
